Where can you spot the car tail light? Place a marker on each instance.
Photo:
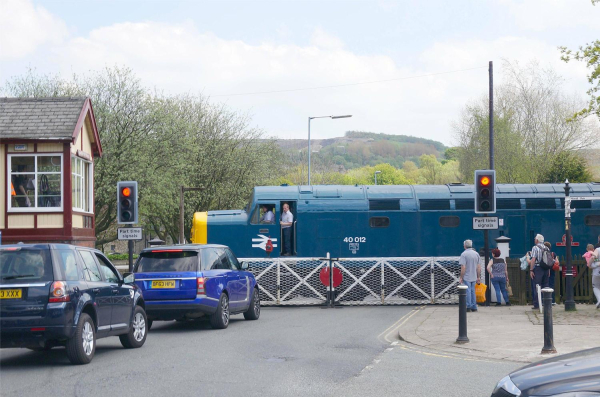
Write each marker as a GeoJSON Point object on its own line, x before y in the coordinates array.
{"type": "Point", "coordinates": [200, 281]}
{"type": "Point", "coordinates": [58, 292]}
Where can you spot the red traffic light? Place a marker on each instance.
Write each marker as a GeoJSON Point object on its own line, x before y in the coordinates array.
{"type": "Point", "coordinates": [484, 181]}
{"type": "Point", "coordinates": [126, 192]}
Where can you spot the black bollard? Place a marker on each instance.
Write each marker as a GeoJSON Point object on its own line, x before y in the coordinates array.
{"type": "Point", "coordinates": [462, 315]}
{"type": "Point", "coordinates": [548, 332]}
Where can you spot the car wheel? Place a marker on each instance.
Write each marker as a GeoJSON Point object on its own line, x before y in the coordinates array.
{"type": "Point", "coordinates": [220, 318]}
{"type": "Point", "coordinates": [82, 346]}
{"type": "Point", "coordinates": [253, 312]}
{"type": "Point", "coordinates": [137, 334]}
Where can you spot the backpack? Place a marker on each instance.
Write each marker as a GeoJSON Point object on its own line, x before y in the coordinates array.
{"type": "Point", "coordinates": [547, 261]}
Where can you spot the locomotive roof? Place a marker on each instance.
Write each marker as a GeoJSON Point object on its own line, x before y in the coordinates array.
{"type": "Point", "coordinates": [450, 191]}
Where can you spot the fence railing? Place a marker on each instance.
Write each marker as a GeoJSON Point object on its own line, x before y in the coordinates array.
{"type": "Point", "coordinates": [366, 281]}
{"type": "Point", "coordinates": [521, 282]}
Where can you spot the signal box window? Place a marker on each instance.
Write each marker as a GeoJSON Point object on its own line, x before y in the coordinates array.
{"type": "Point", "coordinates": [379, 221]}
{"type": "Point", "coordinates": [264, 214]}
{"type": "Point", "coordinates": [35, 182]}
{"type": "Point", "coordinates": [80, 184]}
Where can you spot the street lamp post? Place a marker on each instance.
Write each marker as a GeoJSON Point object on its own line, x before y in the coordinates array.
{"type": "Point", "coordinates": [376, 172]}
{"type": "Point", "coordinates": [319, 117]}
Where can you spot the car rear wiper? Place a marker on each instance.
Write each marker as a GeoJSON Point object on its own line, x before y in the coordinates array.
{"type": "Point", "coordinates": [18, 276]}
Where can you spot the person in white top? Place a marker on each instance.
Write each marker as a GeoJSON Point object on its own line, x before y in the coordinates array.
{"type": "Point", "coordinates": [286, 229]}
{"type": "Point", "coordinates": [594, 265]}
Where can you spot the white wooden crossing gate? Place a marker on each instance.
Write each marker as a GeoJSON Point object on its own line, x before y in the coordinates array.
{"type": "Point", "coordinates": [366, 281]}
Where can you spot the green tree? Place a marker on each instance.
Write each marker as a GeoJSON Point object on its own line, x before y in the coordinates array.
{"type": "Point", "coordinates": [163, 142]}
{"type": "Point", "coordinates": [568, 165]}
{"type": "Point", "coordinates": [590, 54]}
{"type": "Point", "coordinates": [530, 126]}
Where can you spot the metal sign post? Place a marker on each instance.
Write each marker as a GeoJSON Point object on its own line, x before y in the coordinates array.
{"type": "Point", "coordinates": [130, 234]}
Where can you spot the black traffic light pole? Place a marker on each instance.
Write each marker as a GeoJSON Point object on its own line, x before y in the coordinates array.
{"type": "Point", "coordinates": [486, 240]}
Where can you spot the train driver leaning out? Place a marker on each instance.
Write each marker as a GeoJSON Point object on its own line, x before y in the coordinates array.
{"type": "Point", "coordinates": [286, 229]}
{"type": "Point", "coordinates": [267, 215]}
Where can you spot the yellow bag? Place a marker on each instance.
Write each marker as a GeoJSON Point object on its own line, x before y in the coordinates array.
{"type": "Point", "coordinates": [509, 290]}
{"type": "Point", "coordinates": [480, 289]}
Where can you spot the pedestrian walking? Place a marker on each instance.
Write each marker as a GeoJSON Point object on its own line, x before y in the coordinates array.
{"type": "Point", "coordinates": [499, 277]}
{"type": "Point", "coordinates": [539, 275]}
{"type": "Point", "coordinates": [470, 273]}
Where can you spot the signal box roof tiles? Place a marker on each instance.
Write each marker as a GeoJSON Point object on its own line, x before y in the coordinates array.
{"type": "Point", "coordinates": [54, 119]}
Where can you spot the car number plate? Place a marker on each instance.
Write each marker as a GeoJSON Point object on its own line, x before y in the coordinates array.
{"type": "Point", "coordinates": [11, 294]}
{"type": "Point", "coordinates": [163, 284]}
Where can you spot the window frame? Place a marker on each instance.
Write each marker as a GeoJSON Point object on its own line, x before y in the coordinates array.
{"type": "Point", "coordinates": [87, 270]}
{"type": "Point", "coordinates": [83, 177]}
{"type": "Point", "coordinates": [35, 173]}
{"type": "Point", "coordinates": [104, 262]}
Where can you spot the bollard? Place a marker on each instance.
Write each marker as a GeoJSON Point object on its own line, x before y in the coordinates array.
{"type": "Point", "coordinates": [548, 332]}
{"type": "Point", "coordinates": [462, 315]}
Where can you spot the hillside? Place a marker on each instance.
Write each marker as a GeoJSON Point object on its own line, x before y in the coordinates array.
{"type": "Point", "coordinates": [358, 148]}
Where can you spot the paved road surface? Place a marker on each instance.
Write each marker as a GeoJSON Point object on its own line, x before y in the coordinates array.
{"type": "Point", "coordinates": [288, 352]}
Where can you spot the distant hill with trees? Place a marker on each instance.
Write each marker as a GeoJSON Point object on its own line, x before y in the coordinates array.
{"type": "Point", "coordinates": [359, 148]}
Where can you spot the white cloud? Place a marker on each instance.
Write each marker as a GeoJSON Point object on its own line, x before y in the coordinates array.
{"type": "Point", "coordinates": [179, 58]}
{"type": "Point", "coordinates": [322, 39]}
{"type": "Point", "coordinates": [540, 15]}
{"type": "Point", "coordinates": [24, 27]}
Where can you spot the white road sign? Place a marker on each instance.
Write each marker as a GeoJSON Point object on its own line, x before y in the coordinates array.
{"type": "Point", "coordinates": [485, 222]}
{"type": "Point", "coordinates": [130, 233]}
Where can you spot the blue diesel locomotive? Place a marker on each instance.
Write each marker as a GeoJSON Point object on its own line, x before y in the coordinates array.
{"type": "Point", "coordinates": [398, 221]}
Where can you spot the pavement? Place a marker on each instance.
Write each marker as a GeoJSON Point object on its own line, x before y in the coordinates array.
{"type": "Point", "coordinates": [514, 333]}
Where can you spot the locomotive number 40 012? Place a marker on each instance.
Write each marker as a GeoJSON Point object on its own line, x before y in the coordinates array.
{"type": "Point", "coordinates": [355, 239]}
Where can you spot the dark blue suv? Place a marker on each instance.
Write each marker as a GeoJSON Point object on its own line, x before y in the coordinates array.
{"type": "Point", "coordinates": [58, 294]}
{"type": "Point", "coordinates": [190, 281]}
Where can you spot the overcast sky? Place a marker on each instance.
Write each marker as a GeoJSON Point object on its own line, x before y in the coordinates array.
{"type": "Point", "coordinates": [435, 53]}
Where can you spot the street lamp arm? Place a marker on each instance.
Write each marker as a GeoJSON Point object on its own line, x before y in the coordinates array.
{"type": "Point", "coordinates": [319, 117]}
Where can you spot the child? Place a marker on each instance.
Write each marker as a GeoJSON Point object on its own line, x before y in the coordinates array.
{"type": "Point", "coordinates": [589, 254]}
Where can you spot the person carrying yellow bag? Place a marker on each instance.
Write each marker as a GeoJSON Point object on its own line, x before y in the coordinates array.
{"type": "Point", "coordinates": [470, 272]}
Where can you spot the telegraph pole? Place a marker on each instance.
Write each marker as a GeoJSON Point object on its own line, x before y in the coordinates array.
{"type": "Point", "coordinates": [181, 220]}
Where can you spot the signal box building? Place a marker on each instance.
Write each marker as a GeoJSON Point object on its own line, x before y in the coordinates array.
{"type": "Point", "coordinates": [47, 147]}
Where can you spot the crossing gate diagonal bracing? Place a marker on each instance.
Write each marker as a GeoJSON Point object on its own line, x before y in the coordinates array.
{"type": "Point", "coordinates": [366, 281]}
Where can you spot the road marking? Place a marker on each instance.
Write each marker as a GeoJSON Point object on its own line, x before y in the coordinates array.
{"type": "Point", "coordinates": [445, 355]}
{"type": "Point", "coordinates": [394, 327]}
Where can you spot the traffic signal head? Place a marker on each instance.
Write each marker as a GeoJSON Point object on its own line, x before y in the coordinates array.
{"type": "Point", "coordinates": [485, 191]}
{"type": "Point", "coordinates": [127, 205]}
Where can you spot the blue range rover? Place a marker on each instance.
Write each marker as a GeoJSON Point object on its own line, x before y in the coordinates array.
{"type": "Point", "coordinates": [58, 294]}
{"type": "Point", "coordinates": [190, 281]}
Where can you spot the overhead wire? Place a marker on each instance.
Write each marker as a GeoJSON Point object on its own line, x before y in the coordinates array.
{"type": "Point", "coordinates": [350, 84]}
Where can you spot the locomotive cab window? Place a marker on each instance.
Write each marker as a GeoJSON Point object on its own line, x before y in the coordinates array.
{"type": "Point", "coordinates": [264, 214]}
{"type": "Point", "coordinates": [379, 221]}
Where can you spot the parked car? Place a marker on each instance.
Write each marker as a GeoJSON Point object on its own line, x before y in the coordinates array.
{"type": "Point", "coordinates": [58, 294]}
{"type": "Point", "coordinates": [191, 281]}
{"type": "Point", "coordinates": [568, 375]}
